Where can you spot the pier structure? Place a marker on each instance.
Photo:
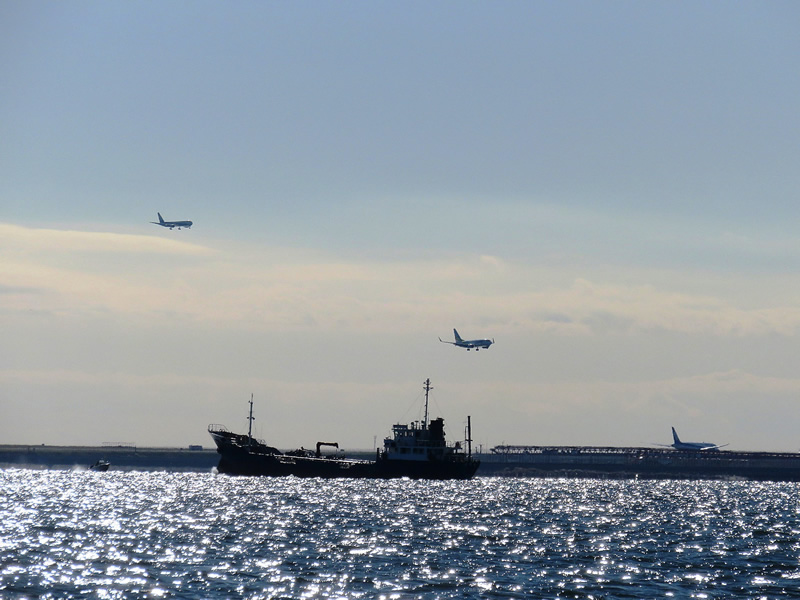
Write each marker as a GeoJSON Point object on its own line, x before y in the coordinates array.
{"type": "Point", "coordinates": [645, 463]}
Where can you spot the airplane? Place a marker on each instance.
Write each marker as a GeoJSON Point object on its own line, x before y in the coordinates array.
{"type": "Point", "coordinates": [679, 445]}
{"type": "Point", "coordinates": [171, 224]}
{"type": "Point", "coordinates": [468, 344]}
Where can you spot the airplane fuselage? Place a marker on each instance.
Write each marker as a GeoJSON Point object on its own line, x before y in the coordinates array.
{"type": "Point", "coordinates": [468, 344]}
{"type": "Point", "coordinates": [477, 344]}
{"type": "Point", "coordinates": [695, 446]}
{"type": "Point", "coordinates": [172, 224]}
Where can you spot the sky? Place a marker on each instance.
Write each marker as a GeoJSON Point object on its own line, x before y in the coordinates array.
{"type": "Point", "coordinates": [609, 190]}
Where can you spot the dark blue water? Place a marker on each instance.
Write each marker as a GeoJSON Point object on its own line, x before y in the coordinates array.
{"type": "Point", "coordinates": [187, 535]}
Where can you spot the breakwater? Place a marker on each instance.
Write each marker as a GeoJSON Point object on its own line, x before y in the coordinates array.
{"type": "Point", "coordinates": [122, 458]}
{"type": "Point", "coordinates": [641, 463]}
{"type": "Point", "coordinates": [501, 461]}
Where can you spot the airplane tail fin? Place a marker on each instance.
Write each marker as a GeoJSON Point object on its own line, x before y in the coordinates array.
{"type": "Point", "coordinates": [675, 436]}
{"type": "Point", "coordinates": [160, 218]}
{"type": "Point", "coordinates": [458, 337]}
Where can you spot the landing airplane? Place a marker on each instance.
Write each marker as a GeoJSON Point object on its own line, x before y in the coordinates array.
{"type": "Point", "coordinates": [468, 344]}
{"type": "Point", "coordinates": [679, 445]}
{"type": "Point", "coordinates": [172, 224]}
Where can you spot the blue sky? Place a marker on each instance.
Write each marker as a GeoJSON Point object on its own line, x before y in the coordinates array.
{"type": "Point", "coordinates": [607, 189]}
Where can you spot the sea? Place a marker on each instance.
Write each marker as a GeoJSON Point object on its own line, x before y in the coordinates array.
{"type": "Point", "coordinates": [83, 534]}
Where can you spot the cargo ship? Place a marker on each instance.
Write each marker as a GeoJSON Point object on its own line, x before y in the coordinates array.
{"type": "Point", "coordinates": [416, 451]}
{"type": "Point", "coordinates": [642, 463]}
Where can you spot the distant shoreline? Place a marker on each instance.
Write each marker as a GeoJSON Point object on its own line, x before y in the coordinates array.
{"type": "Point", "coordinates": [122, 457]}
{"type": "Point", "coordinates": [572, 462]}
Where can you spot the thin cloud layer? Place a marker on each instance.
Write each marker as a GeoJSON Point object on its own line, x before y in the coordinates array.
{"type": "Point", "coordinates": [130, 276]}
{"type": "Point", "coordinates": [15, 238]}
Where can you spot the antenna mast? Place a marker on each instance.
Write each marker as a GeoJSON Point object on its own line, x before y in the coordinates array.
{"type": "Point", "coordinates": [251, 418]}
{"type": "Point", "coordinates": [469, 435]}
{"type": "Point", "coordinates": [428, 388]}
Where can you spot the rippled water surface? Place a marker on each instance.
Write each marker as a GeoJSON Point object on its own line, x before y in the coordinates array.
{"type": "Point", "coordinates": [188, 535]}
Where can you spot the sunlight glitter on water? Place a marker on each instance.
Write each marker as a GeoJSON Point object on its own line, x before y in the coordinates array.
{"type": "Point", "coordinates": [69, 534]}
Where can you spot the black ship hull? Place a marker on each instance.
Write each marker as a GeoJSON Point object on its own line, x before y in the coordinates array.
{"type": "Point", "coordinates": [243, 462]}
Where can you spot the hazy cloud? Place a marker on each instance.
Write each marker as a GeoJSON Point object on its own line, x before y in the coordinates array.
{"type": "Point", "coordinates": [18, 239]}
{"type": "Point", "coordinates": [266, 288]}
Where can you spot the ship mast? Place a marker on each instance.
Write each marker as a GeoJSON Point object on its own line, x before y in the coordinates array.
{"type": "Point", "coordinates": [469, 435]}
{"type": "Point", "coordinates": [428, 388]}
{"type": "Point", "coordinates": [251, 418]}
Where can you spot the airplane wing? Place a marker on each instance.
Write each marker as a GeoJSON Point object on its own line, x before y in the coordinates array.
{"type": "Point", "coordinates": [715, 447]}
{"type": "Point", "coordinates": [446, 342]}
